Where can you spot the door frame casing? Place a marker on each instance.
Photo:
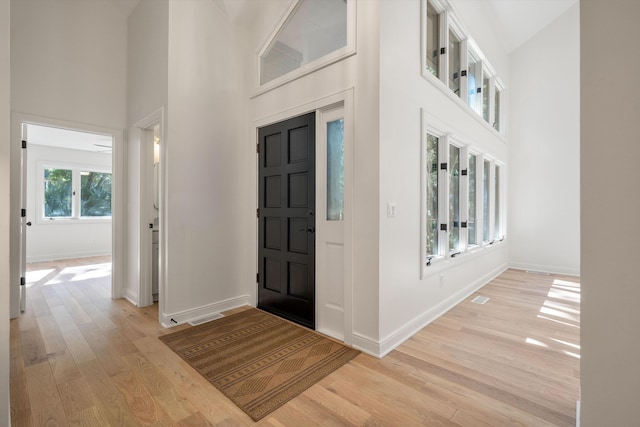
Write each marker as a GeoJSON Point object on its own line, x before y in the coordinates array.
{"type": "Point", "coordinates": [346, 98]}
{"type": "Point", "coordinates": [117, 200]}
{"type": "Point", "coordinates": [145, 189]}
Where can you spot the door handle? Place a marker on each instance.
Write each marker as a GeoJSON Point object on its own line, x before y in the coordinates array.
{"type": "Point", "coordinates": [29, 224]}
{"type": "Point", "coordinates": [311, 229]}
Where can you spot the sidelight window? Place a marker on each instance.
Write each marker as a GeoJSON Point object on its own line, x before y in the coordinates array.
{"type": "Point", "coordinates": [335, 170]}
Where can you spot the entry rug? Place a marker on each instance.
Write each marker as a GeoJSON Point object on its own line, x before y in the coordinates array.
{"type": "Point", "coordinates": [258, 360]}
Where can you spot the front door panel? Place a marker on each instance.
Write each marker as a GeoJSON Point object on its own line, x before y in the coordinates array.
{"type": "Point", "coordinates": [286, 253]}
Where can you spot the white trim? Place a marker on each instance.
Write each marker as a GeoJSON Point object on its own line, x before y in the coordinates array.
{"type": "Point", "coordinates": [145, 297]}
{"type": "Point", "coordinates": [67, 255]}
{"type": "Point", "coordinates": [389, 343]}
{"type": "Point", "coordinates": [400, 335]}
{"type": "Point", "coordinates": [324, 61]}
{"type": "Point", "coordinates": [117, 185]}
{"type": "Point", "coordinates": [186, 316]}
{"type": "Point", "coordinates": [324, 116]}
{"type": "Point", "coordinates": [552, 269]}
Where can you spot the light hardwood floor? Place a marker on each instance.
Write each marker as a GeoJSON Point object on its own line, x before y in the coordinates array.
{"type": "Point", "coordinates": [80, 358]}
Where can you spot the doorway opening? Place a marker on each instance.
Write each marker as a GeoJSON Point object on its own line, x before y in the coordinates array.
{"type": "Point", "coordinates": [304, 222]}
{"type": "Point", "coordinates": [68, 194]}
{"type": "Point", "coordinates": [146, 204]}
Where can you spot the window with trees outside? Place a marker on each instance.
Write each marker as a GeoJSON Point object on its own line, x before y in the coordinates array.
{"type": "Point", "coordinates": [75, 193]}
{"type": "Point", "coordinates": [462, 198]}
{"type": "Point", "coordinates": [452, 59]}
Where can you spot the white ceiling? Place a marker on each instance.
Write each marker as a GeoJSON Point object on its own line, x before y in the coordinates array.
{"type": "Point", "coordinates": [71, 139]}
{"type": "Point", "coordinates": [516, 21]}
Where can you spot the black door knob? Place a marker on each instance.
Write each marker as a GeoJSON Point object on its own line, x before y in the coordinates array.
{"type": "Point", "coordinates": [29, 223]}
{"type": "Point", "coordinates": [311, 229]}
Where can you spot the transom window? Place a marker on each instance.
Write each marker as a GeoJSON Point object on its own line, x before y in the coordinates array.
{"type": "Point", "coordinates": [314, 34]}
{"type": "Point", "coordinates": [452, 59]}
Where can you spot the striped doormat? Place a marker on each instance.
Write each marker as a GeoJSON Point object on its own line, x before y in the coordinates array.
{"type": "Point", "coordinates": [258, 360]}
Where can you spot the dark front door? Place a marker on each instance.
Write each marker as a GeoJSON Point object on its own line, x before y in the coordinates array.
{"type": "Point", "coordinates": [286, 253]}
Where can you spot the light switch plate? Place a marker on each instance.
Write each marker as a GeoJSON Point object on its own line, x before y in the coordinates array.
{"type": "Point", "coordinates": [391, 210]}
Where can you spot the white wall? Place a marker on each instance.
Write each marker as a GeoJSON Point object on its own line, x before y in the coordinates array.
{"type": "Point", "coordinates": [147, 93]}
{"type": "Point", "coordinates": [49, 240]}
{"type": "Point", "coordinates": [147, 59]}
{"type": "Point", "coordinates": [360, 72]}
{"type": "Point", "coordinates": [406, 302]}
{"type": "Point", "coordinates": [68, 61]}
{"type": "Point", "coordinates": [4, 212]}
{"type": "Point", "coordinates": [610, 202]}
{"type": "Point", "coordinates": [68, 64]}
{"type": "Point", "coordinates": [207, 217]}
{"type": "Point", "coordinates": [544, 149]}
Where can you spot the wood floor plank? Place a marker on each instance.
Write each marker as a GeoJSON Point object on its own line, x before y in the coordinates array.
{"type": "Point", "coordinates": [79, 358]}
{"type": "Point", "coordinates": [105, 391]}
{"type": "Point", "coordinates": [75, 397]}
{"type": "Point", "coordinates": [140, 401]}
{"type": "Point", "coordinates": [51, 336]}
{"type": "Point", "coordinates": [194, 420]}
{"type": "Point", "coordinates": [64, 367]}
{"type": "Point", "coordinates": [41, 385]}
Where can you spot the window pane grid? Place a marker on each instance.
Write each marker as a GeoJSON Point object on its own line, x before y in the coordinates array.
{"type": "Point", "coordinates": [432, 195]}
{"type": "Point", "coordinates": [335, 170]}
{"type": "Point", "coordinates": [58, 190]}
{"type": "Point", "coordinates": [454, 63]}
{"type": "Point", "coordinates": [95, 194]}
{"type": "Point", "coordinates": [486, 201]}
{"type": "Point", "coordinates": [471, 221]}
{"type": "Point", "coordinates": [496, 227]}
{"type": "Point", "coordinates": [433, 41]}
{"type": "Point", "coordinates": [454, 198]}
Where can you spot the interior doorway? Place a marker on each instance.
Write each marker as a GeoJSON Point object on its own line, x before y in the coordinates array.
{"type": "Point", "coordinates": [65, 178]}
{"type": "Point", "coordinates": [146, 205]}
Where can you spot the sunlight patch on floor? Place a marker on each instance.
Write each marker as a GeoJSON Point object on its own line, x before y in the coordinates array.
{"type": "Point", "coordinates": [33, 277]}
{"type": "Point", "coordinates": [80, 273]}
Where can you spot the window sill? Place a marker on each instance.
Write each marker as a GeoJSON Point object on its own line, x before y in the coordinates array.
{"type": "Point", "coordinates": [438, 84]}
{"type": "Point", "coordinates": [443, 263]}
{"type": "Point", "coordinates": [73, 221]}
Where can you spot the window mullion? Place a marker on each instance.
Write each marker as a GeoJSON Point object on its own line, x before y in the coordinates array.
{"type": "Point", "coordinates": [479, 77]}
{"type": "Point", "coordinates": [479, 217]}
{"type": "Point", "coordinates": [443, 193]}
{"type": "Point", "coordinates": [464, 70]}
{"type": "Point", "coordinates": [491, 101]}
{"type": "Point", "coordinates": [492, 200]}
{"type": "Point", "coordinates": [464, 199]}
{"type": "Point", "coordinates": [75, 199]}
{"type": "Point", "coordinates": [444, 44]}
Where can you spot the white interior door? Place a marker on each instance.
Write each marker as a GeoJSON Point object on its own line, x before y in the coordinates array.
{"type": "Point", "coordinates": [23, 220]}
{"type": "Point", "coordinates": [330, 224]}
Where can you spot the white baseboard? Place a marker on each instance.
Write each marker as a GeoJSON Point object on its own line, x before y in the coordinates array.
{"type": "Point", "coordinates": [131, 297]}
{"type": "Point", "coordinates": [172, 319]}
{"type": "Point", "coordinates": [68, 255]}
{"type": "Point", "coordinates": [400, 335]}
{"type": "Point", "coordinates": [366, 345]}
{"type": "Point", "coordinates": [553, 269]}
